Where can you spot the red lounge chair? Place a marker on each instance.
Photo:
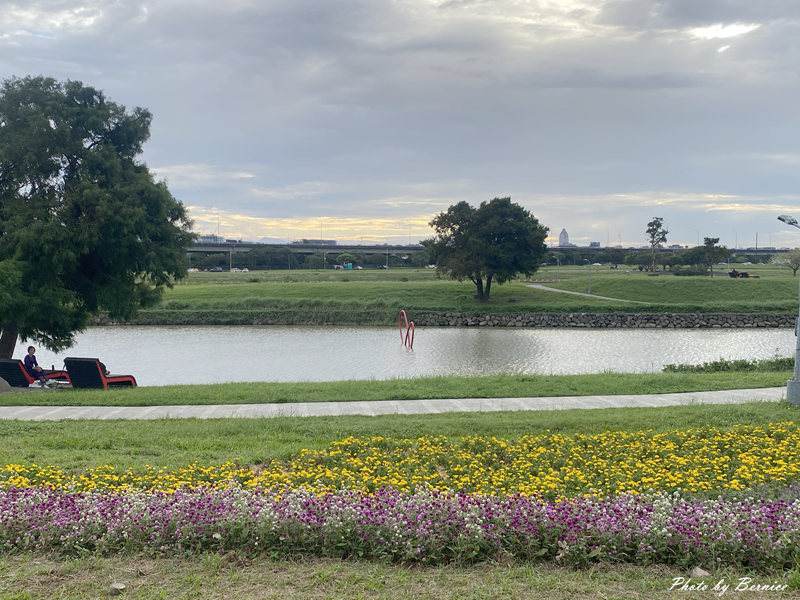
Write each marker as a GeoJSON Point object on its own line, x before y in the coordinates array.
{"type": "Point", "coordinates": [15, 373]}
{"type": "Point", "coordinates": [86, 373]}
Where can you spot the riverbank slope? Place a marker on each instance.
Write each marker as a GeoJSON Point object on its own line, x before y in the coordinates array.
{"type": "Point", "coordinates": [632, 299]}
{"type": "Point", "coordinates": [495, 386]}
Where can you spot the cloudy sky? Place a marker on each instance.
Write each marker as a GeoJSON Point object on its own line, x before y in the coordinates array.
{"type": "Point", "coordinates": [361, 119]}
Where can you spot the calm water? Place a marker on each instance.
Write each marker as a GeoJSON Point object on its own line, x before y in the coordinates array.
{"type": "Point", "coordinates": [165, 355]}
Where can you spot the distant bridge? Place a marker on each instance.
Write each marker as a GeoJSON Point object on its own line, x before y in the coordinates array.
{"type": "Point", "coordinates": [240, 247]}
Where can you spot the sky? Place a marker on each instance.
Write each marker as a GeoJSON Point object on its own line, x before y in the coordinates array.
{"type": "Point", "coordinates": [362, 119]}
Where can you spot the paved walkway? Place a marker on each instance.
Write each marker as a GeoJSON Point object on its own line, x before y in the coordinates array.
{"type": "Point", "coordinates": [386, 407]}
{"type": "Point", "coordinates": [539, 286]}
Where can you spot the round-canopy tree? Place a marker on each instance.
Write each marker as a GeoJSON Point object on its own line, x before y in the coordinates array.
{"type": "Point", "coordinates": [492, 243]}
{"type": "Point", "coordinates": [84, 227]}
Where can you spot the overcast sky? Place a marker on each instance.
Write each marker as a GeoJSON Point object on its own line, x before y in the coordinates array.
{"type": "Point", "coordinates": [361, 119]}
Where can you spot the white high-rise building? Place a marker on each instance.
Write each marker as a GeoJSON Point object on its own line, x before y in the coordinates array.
{"type": "Point", "coordinates": [563, 239]}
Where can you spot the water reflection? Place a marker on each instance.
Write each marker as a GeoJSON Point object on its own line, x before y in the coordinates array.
{"type": "Point", "coordinates": [164, 355]}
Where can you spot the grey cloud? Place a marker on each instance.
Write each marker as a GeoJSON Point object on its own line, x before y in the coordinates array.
{"type": "Point", "coordinates": [370, 107]}
{"type": "Point", "coordinates": [641, 14]}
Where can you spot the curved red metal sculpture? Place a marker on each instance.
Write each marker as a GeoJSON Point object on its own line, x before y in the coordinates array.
{"type": "Point", "coordinates": [407, 329]}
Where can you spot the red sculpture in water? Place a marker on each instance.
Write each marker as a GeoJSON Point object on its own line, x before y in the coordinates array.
{"type": "Point", "coordinates": [406, 330]}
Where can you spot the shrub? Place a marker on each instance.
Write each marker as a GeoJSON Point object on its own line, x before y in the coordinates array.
{"type": "Point", "coordinates": [778, 363]}
{"type": "Point", "coordinates": [690, 271]}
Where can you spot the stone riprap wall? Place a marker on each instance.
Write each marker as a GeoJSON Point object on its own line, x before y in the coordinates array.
{"type": "Point", "coordinates": [607, 320]}
{"type": "Point", "coordinates": [386, 317]}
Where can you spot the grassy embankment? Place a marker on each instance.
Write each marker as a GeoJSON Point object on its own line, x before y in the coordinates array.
{"type": "Point", "coordinates": [493, 386]}
{"type": "Point", "coordinates": [374, 297]}
{"type": "Point", "coordinates": [173, 443]}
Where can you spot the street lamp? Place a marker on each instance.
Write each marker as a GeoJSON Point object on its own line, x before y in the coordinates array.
{"type": "Point", "coordinates": [793, 385]}
{"type": "Point", "coordinates": [591, 268]}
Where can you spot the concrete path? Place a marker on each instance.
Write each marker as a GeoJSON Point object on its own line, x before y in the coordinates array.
{"type": "Point", "coordinates": [385, 407]}
{"type": "Point", "coordinates": [539, 286]}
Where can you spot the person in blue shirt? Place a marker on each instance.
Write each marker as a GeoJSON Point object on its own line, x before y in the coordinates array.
{"type": "Point", "coordinates": [33, 368]}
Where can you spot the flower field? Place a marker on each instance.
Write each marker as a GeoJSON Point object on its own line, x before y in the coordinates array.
{"type": "Point", "coordinates": [696, 496]}
{"type": "Point", "coordinates": [426, 527]}
{"type": "Point", "coordinates": [550, 465]}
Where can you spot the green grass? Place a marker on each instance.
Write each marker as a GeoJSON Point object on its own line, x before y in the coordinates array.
{"type": "Point", "coordinates": [172, 443]}
{"type": "Point", "coordinates": [776, 293]}
{"type": "Point", "coordinates": [493, 386]}
{"type": "Point", "coordinates": [374, 297]}
{"type": "Point", "coordinates": [213, 576]}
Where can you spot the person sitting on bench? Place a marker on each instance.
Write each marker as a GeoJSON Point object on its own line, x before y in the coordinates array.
{"type": "Point", "coordinates": [33, 368]}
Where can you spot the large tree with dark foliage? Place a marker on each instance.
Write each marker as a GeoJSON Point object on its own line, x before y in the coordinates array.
{"type": "Point", "coordinates": [84, 227]}
{"type": "Point", "coordinates": [489, 244]}
{"type": "Point", "coordinates": [712, 253]}
{"type": "Point", "coordinates": [657, 235]}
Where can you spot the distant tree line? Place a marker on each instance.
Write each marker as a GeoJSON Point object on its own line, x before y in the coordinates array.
{"type": "Point", "coordinates": [697, 256]}
{"type": "Point", "coordinates": [677, 260]}
{"type": "Point", "coordinates": [276, 257]}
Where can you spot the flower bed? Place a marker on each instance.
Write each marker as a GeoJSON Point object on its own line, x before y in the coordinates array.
{"type": "Point", "coordinates": [549, 465]}
{"type": "Point", "coordinates": [428, 527]}
{"type": "Point", "coordinates": [700, 496]}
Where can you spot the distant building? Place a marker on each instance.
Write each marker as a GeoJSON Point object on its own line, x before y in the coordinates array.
{"type": "Point", "coordinates": [563, 240]}
{"type": "Point", "coordinates": [594, 244]}
{"type": "Point", "coordinates": [305, 242]}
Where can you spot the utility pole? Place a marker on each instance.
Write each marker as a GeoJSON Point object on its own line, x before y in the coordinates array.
{"type": "Point", "coordinates": [793, 385]}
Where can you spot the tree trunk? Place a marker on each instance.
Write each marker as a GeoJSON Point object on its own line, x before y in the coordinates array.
{"type": "Point", "coordinates": [487, 290]}
{"type": "Point", "coordinates": [479, 294]}
{"type": "Point", "coordinates": [8, 340]}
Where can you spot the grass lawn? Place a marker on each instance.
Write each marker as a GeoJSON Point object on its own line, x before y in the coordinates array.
{"type": "Point", "coordinates": [373, 296]}
{"type": "Point", "coordinates": [217, 577]}
{"type": "Point", "coordinates": [494, 386]}
{"type": "Point", "coordinates": [769, 293]}
{"type": "Point", "coordinates": [173, 443]}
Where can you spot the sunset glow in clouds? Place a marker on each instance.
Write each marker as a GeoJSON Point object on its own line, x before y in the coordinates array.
{"type": "Point", "coordinates": [362, 119]}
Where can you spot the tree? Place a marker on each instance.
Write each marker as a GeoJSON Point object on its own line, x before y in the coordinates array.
{"type": "Point", "coordinates": [83, 225]}
{"type": "Point", "coordinates": [691, 256]}
{"type": "Point", "coordinates": [491, 243]}
{"type": "Point", "coordinates": [658, 236]}
{"type": "Point", "coordinates": [791, 260]}
{"type": "Point", "coordinates": [345, 257]}
{"type": "Point", "coordinates": [713, 253]}
{"type": "Point", "coordinates": [313, 261]}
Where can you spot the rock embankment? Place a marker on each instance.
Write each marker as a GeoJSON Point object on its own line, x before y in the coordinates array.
{"type": "Point", "coordinates": [387, 317]}
{"type": "Point", "coordinates": [607, 320]}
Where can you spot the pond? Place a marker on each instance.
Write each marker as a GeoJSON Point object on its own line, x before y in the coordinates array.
{"type": "Point", "coordinates": [173, 355]}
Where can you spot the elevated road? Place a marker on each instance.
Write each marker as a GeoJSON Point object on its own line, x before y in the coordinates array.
{"type": "Point", "coordinates": [239, 247]}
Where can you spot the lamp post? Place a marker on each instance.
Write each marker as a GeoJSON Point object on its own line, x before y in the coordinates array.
{"type": "Point", "coordinates": [591, 268]}
{"type": "Point", "coordinates": [793, 385]}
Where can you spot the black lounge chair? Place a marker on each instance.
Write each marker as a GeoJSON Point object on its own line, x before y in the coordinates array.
{"type": "Point", "coordinates": [15, 373]}
{"type": "Point", "coordinates": [87, 373]}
